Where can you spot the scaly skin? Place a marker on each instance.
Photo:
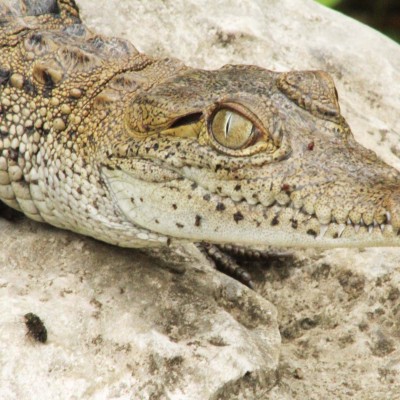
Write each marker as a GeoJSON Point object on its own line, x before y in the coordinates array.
{"type": "Point", "coordinates": [102, 140]}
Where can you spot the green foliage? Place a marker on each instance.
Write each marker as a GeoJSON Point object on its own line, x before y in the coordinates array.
{"type": "Point", "coordinates": [329, 3]}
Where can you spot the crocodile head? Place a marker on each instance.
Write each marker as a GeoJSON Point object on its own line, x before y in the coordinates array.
{"type": "Point", "coordinates": [253, 157]}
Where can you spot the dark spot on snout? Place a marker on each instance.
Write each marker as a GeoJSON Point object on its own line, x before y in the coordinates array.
{"type": "Point", "coordinates": [220, 207]}
{"type": "Point", "coordinates": [275, 221]}
{"type": "Point", "coordinates": [238, 216]}
{"type": "Point", "coordinates": [311, 232]}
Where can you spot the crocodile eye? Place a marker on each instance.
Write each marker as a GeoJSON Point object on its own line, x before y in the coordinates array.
{"type": "Point", "coordinates": [231, 130]}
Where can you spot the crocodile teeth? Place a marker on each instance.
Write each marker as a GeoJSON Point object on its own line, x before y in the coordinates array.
{"type": "Point", "coordinates": [382, 226]}
{"type": "Point", "coordinates": [388, 217]}
{"type": "Point", "coordinates": [323, 230]}
{"type": "Point", "coordinates": [251, 200]}
{"type": "Point", "coordinates": [236, 197]}
{"type": "Point", "coordinates": [357, 227]}
{"type": "Point", "coordinates": [342, 227]}
{"type": "Point", "coordinates": [370, 228]}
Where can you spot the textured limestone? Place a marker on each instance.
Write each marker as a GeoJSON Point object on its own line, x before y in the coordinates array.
{"type": "Point", "coordinates": [123, 324]}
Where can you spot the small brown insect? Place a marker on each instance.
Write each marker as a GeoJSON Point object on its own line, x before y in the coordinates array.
{"type": "Point", "coordinates": [36, 328]}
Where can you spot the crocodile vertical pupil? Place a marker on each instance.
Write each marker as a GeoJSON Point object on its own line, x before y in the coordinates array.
{"type": "Point", "coordinates": [231, 130]}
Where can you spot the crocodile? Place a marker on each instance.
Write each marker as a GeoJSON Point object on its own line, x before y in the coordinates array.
{"type": "Point", "coordinates": [100, 139]}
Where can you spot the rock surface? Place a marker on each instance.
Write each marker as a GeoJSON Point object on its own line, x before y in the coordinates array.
{"type": "Point", "coordinates": [121, 325]}
{"type": "Point", "coordinates": [124, 324]}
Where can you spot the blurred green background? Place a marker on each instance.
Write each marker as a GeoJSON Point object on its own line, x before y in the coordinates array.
{"type": "Point", "coordinates": [383, 15]}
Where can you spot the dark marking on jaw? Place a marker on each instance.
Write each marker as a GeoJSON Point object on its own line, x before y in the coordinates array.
{"type": "Point", "coordinates": [310, 146]}
{"type": "Point", "coordinates": [180, 225]}
{"type": "Point", "coordinates": [194, 185]}
{"type": "Point", "coordinates": [157, 221]}
{"type": "Point", "coordinates": [197, 221]}
{"type": "Point", "coordinates": [294, 223]}
{"type": "Point", "coordinates": [237, 187]}
{"type": "Point", "coordinates": [238, 216]}
{"type": "Point", "coordinates": [220, 207]}
{"type": "Point", "coordinates": [285, 187]}
{"type": "Point", "coordinates": [207, 197]}
{"type": "Point", "coordinates": [174, 206]}
{"type": "Point", "coordinates": [311, 232]}
{"type": "Point", "coordinates": [275, 221]}
{"type": "Point", "coordinates": [335, 235]}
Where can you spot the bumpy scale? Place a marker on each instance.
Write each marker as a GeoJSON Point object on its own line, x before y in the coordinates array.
{"type": "Point", "coordinates": [102, 140]}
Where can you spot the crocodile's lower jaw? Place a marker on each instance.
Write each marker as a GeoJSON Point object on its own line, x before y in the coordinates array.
{"type": "Point", "coordinates": [182, 209]}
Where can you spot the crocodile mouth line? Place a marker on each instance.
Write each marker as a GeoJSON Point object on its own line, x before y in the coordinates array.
{"type": "Point", "coordinates": [340, 228]}
{"type": "Point", "coordinates": [283, 203]}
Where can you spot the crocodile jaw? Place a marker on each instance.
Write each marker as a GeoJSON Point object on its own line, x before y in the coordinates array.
{"type": "Point", "coordinates": [158, 207]}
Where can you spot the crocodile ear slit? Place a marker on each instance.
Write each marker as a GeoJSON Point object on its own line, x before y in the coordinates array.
{"type": "Point", "coordinates": [314, 91]}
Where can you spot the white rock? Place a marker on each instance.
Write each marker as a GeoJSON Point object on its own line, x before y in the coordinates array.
{"type": "Point", "coordinates": [120, 325]}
